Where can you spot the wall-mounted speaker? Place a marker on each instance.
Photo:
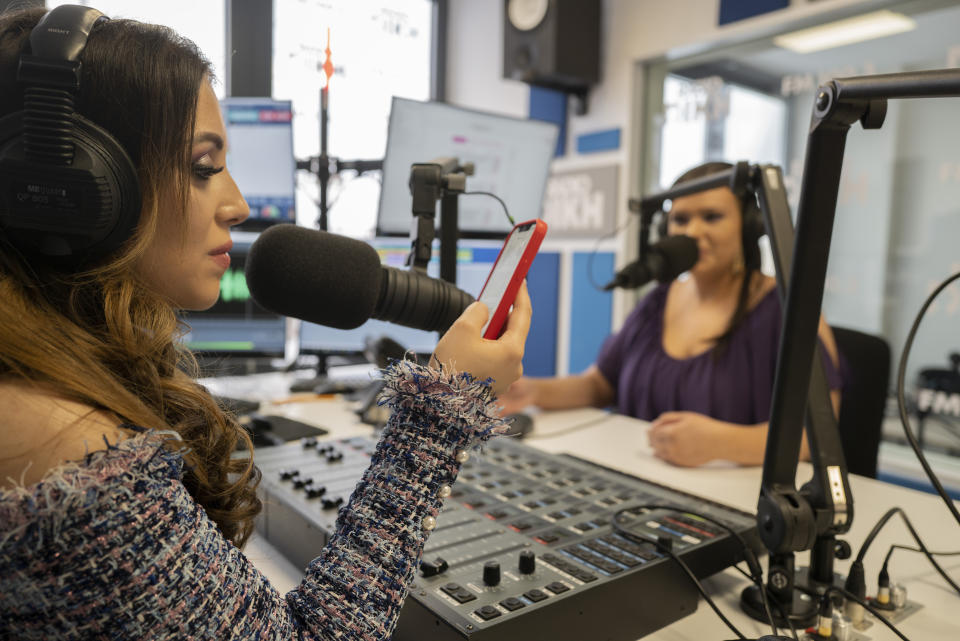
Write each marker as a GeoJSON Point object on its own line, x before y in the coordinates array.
{"type": "Point", "coordinates": [552, 43]}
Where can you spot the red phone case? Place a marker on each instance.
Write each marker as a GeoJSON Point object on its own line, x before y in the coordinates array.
{"type": "Point", "coordinates": [499, 317]}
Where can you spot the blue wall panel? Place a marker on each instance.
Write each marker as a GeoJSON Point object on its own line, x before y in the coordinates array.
{"type": "Point", "coordinates": [591, 309]}
{"type": "Point", "coordinates": [540, 356]}
{"type": "Point", "coordinates": [551, 105]}
{"type": "Point", "coordinates": [607, 140]}
{"type": "Point", "coordinates": [734, 10]}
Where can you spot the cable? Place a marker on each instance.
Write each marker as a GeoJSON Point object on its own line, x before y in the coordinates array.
{"type": "Point", "coordinates": [689, 573]}
{"type": "Point", "coordinates": [923, 548]}
{"type": "Point", "coordinates": [569, 430]}
{"type": "Point", "coordinates": [850, 595]}
{"type": "Point", "coordinates": [874, 532]}
{"type": "Point", "coordinates": [492, 195]}
{"type": "Point", "coordinates": [896, 546]}
{"type": "Point", "coordinates": [901, 402]}
{"type": "Point", "coordinates": [749, 557]}
{"type": "Point", "coordinates": [596, 247]}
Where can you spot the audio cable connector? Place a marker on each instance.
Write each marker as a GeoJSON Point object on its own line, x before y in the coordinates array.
{"type": "Point", "coordinates": [855, 584]}
{"type": "Point", "coordinates": [882, 601]}
{"type": "Point", "coordinates": [825, 618]}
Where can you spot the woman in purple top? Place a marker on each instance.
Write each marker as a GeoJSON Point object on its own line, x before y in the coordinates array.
{"type": "Point", "coordinates": [697, 356]}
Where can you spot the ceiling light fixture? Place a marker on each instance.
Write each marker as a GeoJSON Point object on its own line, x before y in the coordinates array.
{"type": "Point", "coordinates": [844, 32]}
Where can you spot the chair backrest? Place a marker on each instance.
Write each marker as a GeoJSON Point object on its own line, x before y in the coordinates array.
{"type": "Point", "coordinates": [864, 397]}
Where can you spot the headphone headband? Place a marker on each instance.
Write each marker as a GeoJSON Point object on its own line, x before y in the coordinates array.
{"type": "Point", "coordinates": [55, 46]}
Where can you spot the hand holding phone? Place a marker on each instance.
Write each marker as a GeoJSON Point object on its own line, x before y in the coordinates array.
{"type": "Point", "coordinates": [509, 270]}
{"type": "Point", "coordinates": [463, 349]}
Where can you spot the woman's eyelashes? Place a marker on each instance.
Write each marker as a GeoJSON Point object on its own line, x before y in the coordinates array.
{"type": "Point", "coordinates": [681, 220]}
{"type": "Point", "coordinates": [713, 216]}
{"type": "Point", "coordinates": [205, 172]}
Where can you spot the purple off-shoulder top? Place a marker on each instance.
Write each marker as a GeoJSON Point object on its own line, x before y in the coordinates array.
{"type": "Point", "coordinates": [735, 386]}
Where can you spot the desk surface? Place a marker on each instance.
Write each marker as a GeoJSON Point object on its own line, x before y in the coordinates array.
{"type": "Point", "coordinates": [620, 442]}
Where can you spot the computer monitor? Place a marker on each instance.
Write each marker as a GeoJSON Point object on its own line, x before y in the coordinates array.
{"type": "Point", "coordinates": [236, 325]}
{"type": "Point", "coordinates": [475, 258]}
{"type": "Point", "coordinates": [260, 158]}
{"type": "Point", "coordinates": [511, 158]}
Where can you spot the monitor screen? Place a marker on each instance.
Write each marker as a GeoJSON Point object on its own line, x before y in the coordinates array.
{"type": "Point", "coordinates": [475, 258]}
{"type": "Point", "coordinates": [236, 324]}
{"type": "Point", "coordinates": [260, 157]}
{"type": "Point", "coordinates": [511, 158]}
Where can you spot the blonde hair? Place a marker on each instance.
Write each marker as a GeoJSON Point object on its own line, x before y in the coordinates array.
{"type": "Point", "coordinates": [98, 336]}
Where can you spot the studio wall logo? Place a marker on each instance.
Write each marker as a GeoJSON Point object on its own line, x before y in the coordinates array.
{"type": "Point", "coordinates": [581, 203]}
{"type": "Point", "coordinates": [929, 400]}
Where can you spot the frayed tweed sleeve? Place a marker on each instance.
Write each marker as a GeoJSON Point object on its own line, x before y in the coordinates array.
{"type": "Point", "coordinates": [114, 547]}
{"type": "Point", "coordinates": [357, 584]}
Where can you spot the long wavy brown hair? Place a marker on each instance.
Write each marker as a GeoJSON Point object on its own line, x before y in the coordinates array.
{"type": "Point", "coordinates": [99, 336]}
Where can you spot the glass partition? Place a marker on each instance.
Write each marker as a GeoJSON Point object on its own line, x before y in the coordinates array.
{"type": "Point", "coordinates": [898, 212]}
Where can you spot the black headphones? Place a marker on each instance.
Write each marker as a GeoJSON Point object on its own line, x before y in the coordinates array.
{"type": "Point", "coordinates": [69, 192]}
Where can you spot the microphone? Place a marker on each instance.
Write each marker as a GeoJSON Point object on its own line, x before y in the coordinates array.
{"type": "Point", "coordinates": [339, 282]}
{"type": "Point", "coordinates": [663, 262]}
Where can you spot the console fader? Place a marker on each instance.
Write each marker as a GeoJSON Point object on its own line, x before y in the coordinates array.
{"type": "Point", "coordinates": [523, 548]}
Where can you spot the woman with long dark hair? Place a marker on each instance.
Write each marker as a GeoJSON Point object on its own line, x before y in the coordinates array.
{"type": "Point", "coordinates": [122, 510]}
{"type": "Point", "coordinates": [697, 355]}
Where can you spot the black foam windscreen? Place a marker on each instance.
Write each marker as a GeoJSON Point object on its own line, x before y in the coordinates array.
{"type": "Point", "coordinates": [314, 275]}
{"type": "Point", "coordinates": [679, 253]}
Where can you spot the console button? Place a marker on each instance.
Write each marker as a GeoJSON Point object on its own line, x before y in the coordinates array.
{"type": "Point", "coordinates": [513, 603]}
{"type": "Point", "coordinates": [536, 595]}
{"type": "Point", "coordinates": [556, 587]}
{"type": "Point", "coordinates": [463, 595]}
{"type": "Point", "coordinates": [487, 612]}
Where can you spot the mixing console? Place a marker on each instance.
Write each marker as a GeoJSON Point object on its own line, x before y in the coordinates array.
{"type": "Point", "coordinates": [523, 548]}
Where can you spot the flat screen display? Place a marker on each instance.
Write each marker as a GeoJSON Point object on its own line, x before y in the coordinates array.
{"type": "Point", "coordinates": [260, 157]}
{"type": "Point", "coordinates": [511, 158]}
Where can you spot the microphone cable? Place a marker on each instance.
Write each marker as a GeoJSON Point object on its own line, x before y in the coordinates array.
{"type": "Point", "coordinates": [901, 402]}
{"type": "Point", "coordinates": [897, 546]}
{"type": "Point", "coordinates": [923, 548]}
{"type": "Point", "coordinates": [756, 571]}
{"type": "Point", "coordinates": [571, 429]}
{"type": "Point", "coordinates": [498, 199]}
{"type": "Point", "coordinates": [596, 248]}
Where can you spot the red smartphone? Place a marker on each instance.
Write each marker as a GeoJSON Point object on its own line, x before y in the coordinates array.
{"type": "Point", "coordinates": [513, 262]}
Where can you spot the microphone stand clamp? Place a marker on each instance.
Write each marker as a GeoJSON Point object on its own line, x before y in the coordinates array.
{"type": "Point", "coordinates": [441, 179]}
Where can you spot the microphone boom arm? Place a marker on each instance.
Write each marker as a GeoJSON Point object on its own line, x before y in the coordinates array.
{"type": "Point", "coordinates": [789, 520]}
{"type": "Point", "coordinates": [786, 517]}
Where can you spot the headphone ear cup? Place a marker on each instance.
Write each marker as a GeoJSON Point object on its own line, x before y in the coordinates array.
{"type": "Point", "coordinates": [68, 214]}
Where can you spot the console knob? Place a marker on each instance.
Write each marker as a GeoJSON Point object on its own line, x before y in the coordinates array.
{"type": "Point", "coordinates": [491, 573]}
{"type": "Point", "coordinates": [528, 562]}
